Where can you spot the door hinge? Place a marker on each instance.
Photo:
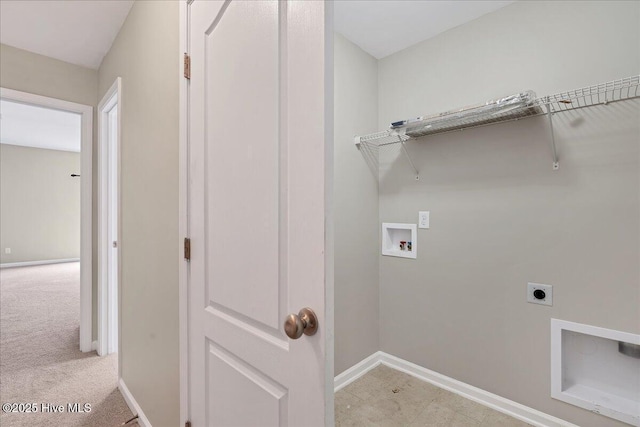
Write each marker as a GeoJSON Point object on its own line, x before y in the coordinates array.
{"type": "Point", "coordinates": [187, 66]}
{"type": "Point", "coordinates": [187, 424]}
{"type": "Point", "coordinates": [187, 248]}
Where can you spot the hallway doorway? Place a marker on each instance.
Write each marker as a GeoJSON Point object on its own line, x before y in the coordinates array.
{"type": "Point", "coordinates": [43, 128]}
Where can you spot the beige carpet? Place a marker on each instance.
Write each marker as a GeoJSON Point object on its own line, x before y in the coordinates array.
{"type": "Point", "coordinates": [40, 360]}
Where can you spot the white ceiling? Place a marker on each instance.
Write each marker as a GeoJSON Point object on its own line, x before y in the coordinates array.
{"type": "Point", "coordinates": [79, 32]}
{"type": "Point", "coordinates": [382, 27]}
{"type": "Point", "coordinates": [31, 126]}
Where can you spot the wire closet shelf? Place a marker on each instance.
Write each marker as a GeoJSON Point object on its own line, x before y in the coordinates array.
{"type": "Point", "coordinates": [602, 94]}
{"type": "Point", "coordinates": [511, 108]}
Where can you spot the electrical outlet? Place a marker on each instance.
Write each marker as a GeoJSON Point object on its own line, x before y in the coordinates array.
{"type": "Point", "coordinates": [7, 250]}
{"type": "Point", "coordinates": [423, 219]}
{"type": "Point", "coordinates": [538, 293]}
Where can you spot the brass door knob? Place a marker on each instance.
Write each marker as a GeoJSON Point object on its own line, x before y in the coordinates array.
{"type": "Point", "coordinates": [305, 322]}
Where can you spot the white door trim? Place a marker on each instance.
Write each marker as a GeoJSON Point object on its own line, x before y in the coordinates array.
{"type": "Point", "coordinates": [329, 237]}
{"type": "Point", "coordinates": [86, 111]}
{"type": "Point", "coordinates": [112, 98]}
{"type": "Point", "coordinates": [183, 228]}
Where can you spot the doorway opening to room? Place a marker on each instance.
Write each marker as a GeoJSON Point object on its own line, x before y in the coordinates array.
{"type": "Point", "coordinates": [468, 184]}
{"type": "Point", "coordinates": [46, 205]}
{"type": "Point", "coordinates": [46, 313]}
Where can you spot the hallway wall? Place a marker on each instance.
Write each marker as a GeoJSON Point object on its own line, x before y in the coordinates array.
{"type": "Point", "coordinates": [145, 54]}
{"type": "Point", "coordinates": [33, 73]}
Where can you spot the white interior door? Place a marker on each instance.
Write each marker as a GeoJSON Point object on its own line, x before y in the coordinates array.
{"type": "Point", "coordinates": [256, 212]}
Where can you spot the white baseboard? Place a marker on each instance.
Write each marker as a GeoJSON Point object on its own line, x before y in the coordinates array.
{"type": "Point", "coordinates": [143, 421]}
{"type": "Point", "coordinates": [29, 263]}
{"type": "Point", "coordinates": [493, 401]}
{"type": "Point", "coordinates": [94, 345]}
{"type": "Point", "coordinates": [356, 371]}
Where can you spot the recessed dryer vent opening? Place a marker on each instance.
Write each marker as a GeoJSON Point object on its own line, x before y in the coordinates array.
{"type": "Point", "coordinates": [589, 371]}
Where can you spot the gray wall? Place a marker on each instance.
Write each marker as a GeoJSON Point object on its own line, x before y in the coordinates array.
{"type": "Point", "coordinates": [146, 54]}
{"type": "Point", "coordinates": [500, 217]}
{"type": "Point", "coordinates": [33, 73]}
{"type": "Point", "coordinates": [29, 72]}
{"type": "Point", "coordinates": [39, 204]}
{"type": "Point", "coordinates": [356, 207]}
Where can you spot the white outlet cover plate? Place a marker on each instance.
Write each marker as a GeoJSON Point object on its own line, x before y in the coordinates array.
{"type": "Point", "coordinates": [423, 219]}
{"type": "Point", "coordinates": [548, 290]}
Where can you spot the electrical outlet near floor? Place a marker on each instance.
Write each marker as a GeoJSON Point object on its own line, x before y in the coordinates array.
{"type": "Point", "coordinates": [538, 293]}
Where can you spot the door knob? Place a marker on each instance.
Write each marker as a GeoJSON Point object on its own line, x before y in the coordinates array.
{"type": "Point", "coordinates": [305, 322]}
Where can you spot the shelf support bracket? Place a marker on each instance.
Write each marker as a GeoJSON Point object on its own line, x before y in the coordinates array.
{"type": "Point", "coordinates": [554, 153]}
{"type": "Point", "coordinates": [406, 153]}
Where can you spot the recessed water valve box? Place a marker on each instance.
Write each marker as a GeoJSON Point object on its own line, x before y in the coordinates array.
{"type": "Point", "coordinates": [399, 240]}
{"type": "Point", "coordinates": [538, 293]}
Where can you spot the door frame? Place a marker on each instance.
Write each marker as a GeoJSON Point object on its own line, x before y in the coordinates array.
{"type": "Point", "coordinates": [86, 206]}
{"type": "Point", "coordinates": [111, 97]}
{"type": "Point", "coordinates": [183, 212]}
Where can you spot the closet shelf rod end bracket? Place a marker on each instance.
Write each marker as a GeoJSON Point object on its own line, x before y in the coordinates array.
{"type": "Point", "coordinates": [554, 152]}
{"type": "Point", "coordinates": [406, 153]}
